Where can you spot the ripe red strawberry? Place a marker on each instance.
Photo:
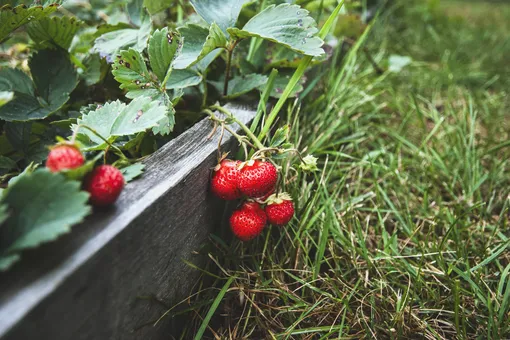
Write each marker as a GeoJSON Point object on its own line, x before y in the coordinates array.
{"type": "Point", "coordinates": [104, 183]}
{"type": "Point", "coordinates": [257, 178]}
{"type": "Point", "coordinates": [224, 180]}
{"type": "Point", "coordinates": [64, 157]}
{"type": "Point", "coordinates": [248, 221]}
{"type": "Point", "coordinates": [279, 210]}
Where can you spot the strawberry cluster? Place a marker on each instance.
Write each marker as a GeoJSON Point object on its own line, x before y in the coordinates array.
{"type": "Point", "coordinates": [254, 181]}
{"type": "Point", "coordinates": [104, 183]}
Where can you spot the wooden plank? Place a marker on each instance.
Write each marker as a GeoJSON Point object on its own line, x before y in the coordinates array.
{"type": "Point", "coordinates": [86, 285]}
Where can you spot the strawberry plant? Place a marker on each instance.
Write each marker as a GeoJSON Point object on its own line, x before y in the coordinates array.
{"type": "Point", "coordinates": [112, 83]}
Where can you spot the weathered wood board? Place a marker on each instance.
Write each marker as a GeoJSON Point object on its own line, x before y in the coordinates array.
{"type": "Point", "coordinates": [87, 284]}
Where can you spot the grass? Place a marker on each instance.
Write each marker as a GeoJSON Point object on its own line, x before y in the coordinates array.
{"type": "Point", "coordinates": [405, 231]}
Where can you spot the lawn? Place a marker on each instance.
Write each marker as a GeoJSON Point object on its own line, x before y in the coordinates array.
{"type": "Point", "coordinates": [404, 233]}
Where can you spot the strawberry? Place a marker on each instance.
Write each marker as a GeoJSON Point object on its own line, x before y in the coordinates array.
{"type": "Point", "coordinates": [257, 178]}
{"type": "Point", "coordinates": [224, 180]}
{"type": "Point", "coordinates": [279, 209]}
{"type": "Point", "coordinates": [248, 221]}
{"type": "Point", "coordinates": [64, 157]}
{"type": "Point", "coordinates": [104, 183]}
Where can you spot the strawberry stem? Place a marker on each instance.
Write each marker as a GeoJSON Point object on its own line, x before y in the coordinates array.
{"type": "Point", "coordinates": [242, 139]}
{"type": "Point", "coordinates": [110, 145]}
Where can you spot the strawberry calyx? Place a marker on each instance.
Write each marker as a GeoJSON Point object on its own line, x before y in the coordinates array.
{"type": "Point", "coordinates": [278, 198]}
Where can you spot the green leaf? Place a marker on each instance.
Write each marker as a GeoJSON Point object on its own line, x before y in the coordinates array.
{"type": "Point", "coordinates": [54, 77]}
{"type": "Point", "coordinates": [96, 70]}
{"type": "Point", "coordinates": [166, 125]}
{"type": "Point", "coordinates": [12, 18]}
{"type": "Point", "coordinates": [133, 171]}
{"type": "Point", "coordinates": [285, 24]}
{"type": "Point", "coordinates": [280, 136]}
{"type": "Point", "coordinates": [7, 164]}
{"type": "Point", "coordinates": [118, 119]}
{"type": "Point", "coordinates": [130, 71]}
{"type": "Point", "coordinates": [6, 261]}
{"type": "Point", "coordinates": [5, 97]}
{"type": "Point", "coordinates": [109, 44]}
{"type": "Point", "coordinates": [162, 48]}
{"type": "Point", "coordinates": [238, 86]}
{"type": "Point", "coordinates": [18, 135]}
{"type": "Point", "coordinates": [24, 105]}
{"type": "Point", "coordinates": [198, 42]}
{"type": "Point", "coordinates": [180, 79]}
{"type": "Point", "coordinates": [37, 214]}
{"type": "Point", "coordinates": [28, 170]}
{"type": "Point", "coordinates": [55, 31]}
{"type": "Point", "coordinates": [223, 12]}
{"type": "Point", "coordinates": [15, 80]}
{"type": "Point", "coordinates": [156, 6]}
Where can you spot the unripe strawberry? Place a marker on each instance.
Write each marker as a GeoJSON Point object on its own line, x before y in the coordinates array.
{"type": "Point", "coordinates": [104, 183]}
{"type": "Point", "coordinates": [248, 221]}
{"type": "Point", "coordinates": [225, 179]}
{"type": "Point", "coordinates": [64, 157]}
{"type": "Point", "coordinates": [279, 209]}
{"type": "Point", "coordinates": [257, 178]}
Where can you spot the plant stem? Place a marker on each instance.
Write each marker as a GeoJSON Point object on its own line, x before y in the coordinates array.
{"type": "Point", "coordinates": [246, 129]}
{"type": "Point", "coordinates": [110, 145]}
{"type": "Point", "coordinates": [230, 52]}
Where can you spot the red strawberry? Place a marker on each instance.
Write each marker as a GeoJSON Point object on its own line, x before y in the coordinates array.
{"type": "Point", "coordinates": [279, 209]}
{"type": "Point", "coordinates": [248, 221]}
{"type": "Point", "coordinates": [257, 178]}
{"type": "Point", "coordinates": [224, 180]}
{"type": "Point", "coordinates": [104, 183]}
{"type": "Point", "coordinates": [64, 157]}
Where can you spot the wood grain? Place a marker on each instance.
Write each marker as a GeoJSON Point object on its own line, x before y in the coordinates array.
{"type": "Point", "coordinates": [87, 284]}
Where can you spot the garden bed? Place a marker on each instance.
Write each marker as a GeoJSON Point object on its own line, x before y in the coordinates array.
{"type": "Point", "coordinates": [87, 285]}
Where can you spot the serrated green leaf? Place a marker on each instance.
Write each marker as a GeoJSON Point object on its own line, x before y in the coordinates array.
{"type": "Point", "coordinates": [133, 171]}
{"type": "Point", "coordinates": [42, 206]}
{"type": "Point", "coordinates": [54, 77]}
{"type": "Point", "coordinates": [166, 125]}
{"type": "Point", "coordinates": [163, 45]}
{"type": "Point", "coordinates": [130, 71]}
{"type": "Point", "coordinates": [118, 119]}
{"type": "Point", "coordinates": [109, 44]}
{"type": "Point", "coordinates": [238, 86]}
{"type": "Point", "coordinates": [180, 79]}
{"type": "Point", "coordinates": [222, 12]}
{"type": "Point", "coordinates": [54, 31]}
{"type": "Point", "coordinates": [285, 24]}
{"type": "Point", "coordinates": [12, 18]}
{"type": "Point", "coordinates": [198, 42]}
